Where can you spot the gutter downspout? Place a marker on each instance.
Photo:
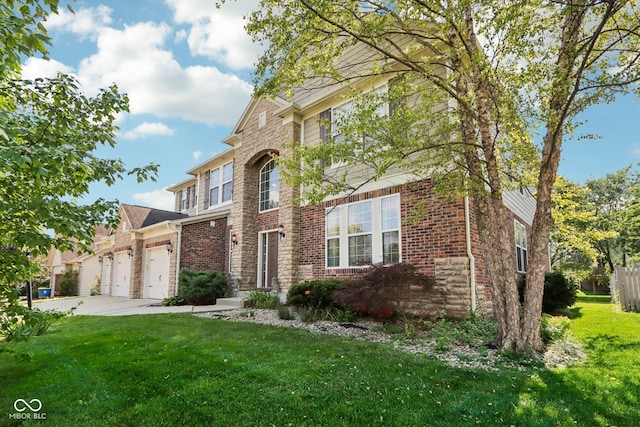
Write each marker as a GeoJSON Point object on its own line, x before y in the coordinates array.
{"type": "Point", "coordinates": [178, 229]}
{"type": "Point", "coordinates": [197, 196]}
{"type": "Point", "coordinates": [472, 259]}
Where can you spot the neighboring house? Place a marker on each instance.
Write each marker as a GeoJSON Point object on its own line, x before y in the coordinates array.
{"type": "Point", "coordinates": [244, 220]}
{"type": "Point", "coordinates": [136, 260]}
{"type": "Point", "coordinates": [86, 266]}
{"type": "Point", "coordinates": [139, 258]}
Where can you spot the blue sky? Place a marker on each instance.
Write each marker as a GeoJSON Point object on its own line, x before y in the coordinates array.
{"type": "Point", "coordinates": [186, 67]}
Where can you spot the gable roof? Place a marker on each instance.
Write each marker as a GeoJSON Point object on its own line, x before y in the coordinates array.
{"type": "Point", "coordinates": [248, 111]}
{"type": "Point", "coordinates": [141, 216]}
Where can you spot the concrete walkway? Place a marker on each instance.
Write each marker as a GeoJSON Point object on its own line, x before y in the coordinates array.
{"type": "Point", "coordinates": [104, 305]}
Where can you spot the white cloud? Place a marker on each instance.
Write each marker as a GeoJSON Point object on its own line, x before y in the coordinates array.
{"type": "Point", "coordinates": [135, 59]}
{"type": "Point", "coordinates": [636, 151]}
{"type": "Point", "coordinates": [218, 34]}
{"type": "Point", "coordinates": [146, 129]}
{"type": "Point", "coordinates": [197, 155]}
{"type": "Point", "coordinates": [158, 199]}
{"type": "Point", "coordinates": [86, 22]}
{"type": "Point", "coordinates": [38, 67]}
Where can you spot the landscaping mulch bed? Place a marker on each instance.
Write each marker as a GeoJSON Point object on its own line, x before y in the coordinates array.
{"type": "Point", "coordinates": [560, 354]}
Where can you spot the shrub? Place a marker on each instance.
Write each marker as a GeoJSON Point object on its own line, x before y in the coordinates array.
{"type": "Point", "coordinates": [19, 323]}
{"type": "Point", "coordinates": [68, 284]}
{"type": "Point", "coordinates": [172, 301]}
{"type": "Point", "coordinates": [554, 328]}
{"type": "Point", "coordinates": [284, 313]}
{"type": "Point", "coordinates": [379, 293]}
{"type": "Point", "coordinates": [559, 292]}
{"type": "Point", "coordinates": [258, 299]}
{"type": "Point", "coordinates": [201, 287]}
{"type": "Point", "coordinates": [313, 294]}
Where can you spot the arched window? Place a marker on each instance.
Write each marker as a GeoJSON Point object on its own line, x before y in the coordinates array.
{"type": "Point", "coordinates": [269, 186]}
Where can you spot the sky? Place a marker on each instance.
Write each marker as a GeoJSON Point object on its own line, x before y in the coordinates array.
{"type": "Point", "coordinates": [187, 69]}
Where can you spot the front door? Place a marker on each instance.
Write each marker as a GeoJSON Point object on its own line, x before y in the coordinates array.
{"type": "Point", "coordinates": [268, 259]}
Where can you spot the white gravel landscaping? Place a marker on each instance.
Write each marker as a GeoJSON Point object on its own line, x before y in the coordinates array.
{"type": "Point", "coordinates": [559, 355]}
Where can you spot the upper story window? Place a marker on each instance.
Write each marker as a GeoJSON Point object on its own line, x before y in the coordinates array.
{"type": "Point", "coordinates": [342, 114]}
{"type": "Point", "coordinates": [269, 186]}
{"type": "Point", "coordinates": [262, 119]}
{"type": "Point", "coordinates": [521, 247]}
{"type": "Point", "coordinates": [221, 185]}
{"type": "Point", "coordinates": [183, 200]}
{"type": "Point", "coordinates": [363, 233]}
{"type": "Point", "coordinates": [345, 114]}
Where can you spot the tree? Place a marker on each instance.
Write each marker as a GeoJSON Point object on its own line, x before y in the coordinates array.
{"type": "Point", "coordinates": [49, 133]}
{"type": "Point", "coordinates": [632, 222]}
{"type": "Point", "coordinates": [575, 234]}
{"type": "Point", "coordinates": [611, 199]}
{"type": "Point", "coordinates": [484, 72]}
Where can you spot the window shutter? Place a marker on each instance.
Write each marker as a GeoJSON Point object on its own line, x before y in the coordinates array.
{"type": "Point", "coordinates": [400, 102]}
{"type": "Point", "coordinates": [207, 179]}
{"type": "Point", "coordinates": [188, 197]}
{"type": "Point", "coordinates": [178, 195]}
{"type": "Point", "coordinates": [325, 129]}
{"type": "Point", "coordinates": [325, 125]}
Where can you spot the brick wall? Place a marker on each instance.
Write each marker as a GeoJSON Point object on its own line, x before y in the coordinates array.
{"type": "Point", "coordinates": [433, 239]}
{"type": "Point", "coordinates": [205, 246]}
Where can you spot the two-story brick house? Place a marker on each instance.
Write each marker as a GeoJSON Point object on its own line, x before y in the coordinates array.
{"type": "Point", "coordinates": [245, 220]}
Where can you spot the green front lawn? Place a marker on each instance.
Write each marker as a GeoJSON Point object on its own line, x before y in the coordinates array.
{"type": "Point", "coordinates": [185, 370]}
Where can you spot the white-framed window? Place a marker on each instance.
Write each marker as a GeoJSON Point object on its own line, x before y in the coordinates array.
{"type": "Point", "coordinates": [221, 185]}
{"type": "Point", "coordinates": [521, 247]}
{"type": "Point", "coordinates": [363, 233]}
{"type": "Point", "coordinates": [262, 119]}
{"type": "Point", "coordinates": [183, 199]}
{"type": "Point", "coordinates": [341, 114]}
{"type": "Point", "coordinates": [269, 186]}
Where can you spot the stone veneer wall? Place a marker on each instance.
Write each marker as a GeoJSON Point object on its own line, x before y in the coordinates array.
{"type": "Point", "coordinates": [258, 146]}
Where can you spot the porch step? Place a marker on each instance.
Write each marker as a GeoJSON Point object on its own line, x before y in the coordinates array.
{"type": "Point", "coordinates": [231, 301]}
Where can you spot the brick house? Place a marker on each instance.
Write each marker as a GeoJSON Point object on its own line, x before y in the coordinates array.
{"type": "Point", "coordinates": [136, 260]}
{"type": "Point", "coordinates": [86, 266]}
{"type": "Point", "coordinates": [244, 220]}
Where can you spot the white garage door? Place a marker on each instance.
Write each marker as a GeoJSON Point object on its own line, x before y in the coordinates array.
{"type": "Point", "coordinates": [121, 275]}
{"type": "Point", "coordinates": [105, 281]}
{"type": "Point", "coordinates": [157, 274]}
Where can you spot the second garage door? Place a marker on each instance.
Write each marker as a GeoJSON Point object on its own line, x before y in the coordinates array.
{"type": "Point", "coordinates": [121, 275]}
{"type": "Point", "coordinates": [157, 274]}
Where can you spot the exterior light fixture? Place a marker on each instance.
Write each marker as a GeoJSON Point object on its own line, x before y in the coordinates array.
{"type": "Point", "coordinates": [100, 259]}
{"type": "Point", "coordinates": [234, 239]}
{"type": "Point", "coordinates": [169, 248]}
{"type": "Point", "coordinates": [110, 256]}
{"type": "Point", "coordinates": [281, 231]}
{"type": "Point", "coordinates": [130, 251]}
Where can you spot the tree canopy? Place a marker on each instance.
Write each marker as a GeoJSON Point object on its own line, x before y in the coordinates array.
{"type": "Point", "coordinates": [49, 133]}
{"type": "Point", "coordinates": [484, 76]}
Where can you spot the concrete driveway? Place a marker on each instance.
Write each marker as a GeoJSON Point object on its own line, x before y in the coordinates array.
{"type": "Point", "coordinates": [104, 305]}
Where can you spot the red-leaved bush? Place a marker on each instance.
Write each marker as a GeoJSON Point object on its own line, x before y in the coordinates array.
{"type": "Point", "coordinates": [380, 292]}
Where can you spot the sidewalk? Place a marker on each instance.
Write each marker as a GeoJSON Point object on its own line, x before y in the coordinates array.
{"type": "Point", "coordinates": [104, 305]}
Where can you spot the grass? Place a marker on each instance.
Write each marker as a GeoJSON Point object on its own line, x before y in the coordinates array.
{"type": "Point", "coordinates": [178, 369]}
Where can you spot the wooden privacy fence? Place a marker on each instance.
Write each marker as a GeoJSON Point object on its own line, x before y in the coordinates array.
{"type": "Point", "coordinates": [625, 288]}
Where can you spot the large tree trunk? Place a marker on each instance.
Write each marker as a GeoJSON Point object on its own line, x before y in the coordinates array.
{"type": "Point", "coordinates": [484, 186]}
{"type": "Point", "coordinates": [559, 103]}
{"type": "Point", "coordinates": [491, 214]}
